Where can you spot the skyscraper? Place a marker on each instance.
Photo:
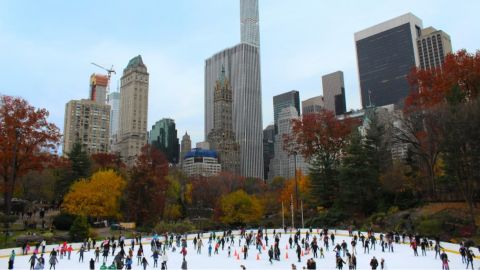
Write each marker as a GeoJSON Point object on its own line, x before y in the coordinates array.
{"type": "Point", "coordinates": [313, 105]}
{"type": "Point", "coordinates": [98, 88]}
{"type": "Point", "coordinates": [133, 110]}
{"type": "Point", "coordinates": [334, 92]}
{"type": "Point", "coordinates": [242, 69]}
{"type": "Point", "coordinates": [87, 123]}
{"type": "Point", "coordinates": [386, 53]}
{"type": "Point", "coordinates": [433, 45]}
{"type": "Point", "coordinates": [268, 151]}
{"type": "Point", "coordinates": [222, 137]}
{"type": "Point", "coordinates": [283, 163]}
{"type": "Point", "coordinates": [285, 100]}
{"type": "Point", "coordinates": [185, 146]}
{"type": "Point", "coordinates": [163, 136]}
{"type": "Point", "coordinates": [114, 102]}
{"type": "Point", "coordinates": [249, 22]}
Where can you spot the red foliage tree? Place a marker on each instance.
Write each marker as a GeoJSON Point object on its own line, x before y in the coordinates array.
{"type": "Point", "coordinates": [27, 141]}
{"type": "Point", "coordinates": [106, 161]}
{"type": "Point", "coordinates": [145, 193]}
{"type": "Point", "coordinates": [431, 87]}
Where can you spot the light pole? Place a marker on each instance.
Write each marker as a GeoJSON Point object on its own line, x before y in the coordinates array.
{"type": "Point", "coordinates": [296, 182]}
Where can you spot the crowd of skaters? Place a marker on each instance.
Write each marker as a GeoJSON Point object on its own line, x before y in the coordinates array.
{"type": "Point", "coordinates": [314, 244]}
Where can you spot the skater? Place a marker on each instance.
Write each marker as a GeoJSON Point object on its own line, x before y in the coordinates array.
{"type": "Point", "coordinates": [382, 263]}
{"type": "Point", "coordinates": [81, 251]}
{"type": "Point", "coordinates": [53, 261]}
{"type": "Point", "coordinates": [270, 255]}
{"type": "Point", "coordinates": [299, 253]}
{"type": "Point", "coordinates": [164, 260]}
{"type": "Point", "coordinates": [69, 251]}
{"type": "Point", "coordinates": [139, 255]}
{"type": "Point", "coordinates": [32, 261]}
{"type": "Point", "coordinates": [374, 263]}
{"type": "Point", "coordinates": [445, 261]}
{"type": "Point", "coordinates": [144, 263]}
{"type": "Point", "coordinates": [184, 252]}
{"type": "Point", "coordinates": [41, 263]}
{"type": "Point", "coordinates": [470, 257]}
{"type": "Point", "coordinates": [245, 252]}
{"type": "Point", "coordinates": [155, 256]}
{"type": "Point", "coordinates": [340, 263]}
{"type": "Point", "coordinates": [97, 254]}
{"type": "Point", "coordinates": [92, 264]}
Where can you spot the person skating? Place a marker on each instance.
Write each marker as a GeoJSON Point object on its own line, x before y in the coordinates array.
{"type": "Point", "coordinates": [164, 260]}
{"type": "Point", "coordinates": [92, 264]}
{"type": "Point", "coordinates": [11, 260]}
{"type": "Point", "coordinates": [32, 261]}
{"type": "Point", "coordinates": [128, 262]}
{"type": "Point", "coordinates": [144, 263]}
{"type": "Point", "coordinates": [245, 252]}
{"type": "Point", "coordinates": [414, 247]}
{"type": "Point", "coordinates": [470, 257]}
{"type": "Point", "coordinates": [270, 255]}
{"type": "Point", "coordinates": [340, 262]}
{"type": "Point", "coordinates": [53, 261]}
{"type": "Point", "coordinates": [97, 254]}
{"type": "Point", "coordinates": [445, 261]}
{"type": "Point", "coordinates": [41, 263]}
{"type": "Point", "coordinates": [155, 256]}
{"type": "Point", "coordinates": [374, 263]}
{"type": "Point", "coordinates": [184, 252]}
{"type": "Point", "coordinates": [139, 255]}
{"type": "Point", "coordinates": [299, 253]}
{"type": "Point", "coordinates": [382, 263]}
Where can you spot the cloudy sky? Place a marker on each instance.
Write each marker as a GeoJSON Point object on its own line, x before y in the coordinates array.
{"type": "Point", "coordinates": [46, 47]}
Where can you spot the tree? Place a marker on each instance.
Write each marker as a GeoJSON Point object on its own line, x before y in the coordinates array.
{"type": "Point", "coordinates": [320, 138]}
{"type": "Point", "coordinates": [146, 190]}
{"type": "Point", "coordinates": [27, 142]}
{"type": "Point", "coordinates": [239, 208]}
{"type": "Point", "coordinates": [80, 229]}
{"type": "Point", "coordinates": [178, 195]}
{"type": "Point", "coordinates": [359, 177]}
{"type": "Point", "coordinates": [96, 197]}
{"type": "Point", "coordinates": [102, 161]}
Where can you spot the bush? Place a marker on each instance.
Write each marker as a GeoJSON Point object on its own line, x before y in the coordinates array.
{"type": "Point", "coordinates": [331, 218]}
{"type": "Point", "coordinates": [178, 227]}
{"type": "Point", "coordinates": [80, 229]}
{"type": "Point", "coordinates": [63, 221]}
{"type": "Point", "coordinates": [430, 227]}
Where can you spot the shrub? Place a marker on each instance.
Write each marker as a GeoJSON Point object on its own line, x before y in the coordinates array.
{"type": "Point", "coordinates": [80, 229]}
{"type": "Point", "coordinates": [178, 227]}
{"type": "Point", "coordinates": [430, 227]}
{"type": "Point", "coordinates": [63, 221]}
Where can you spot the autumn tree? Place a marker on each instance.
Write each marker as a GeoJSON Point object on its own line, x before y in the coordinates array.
{"type": "Point", "coordinates": [178, 196]}
{"type": "Point", "coordinates": [239, 208]}
{"type": "Point", "coordinates": [98, 196]}
{"type": "Point", "coordinates": [146, 190]}
{"type": "Point", "coordinates": [102, 161]}
{"type": "Point", "coordinates": [320, 138]}
{"type": "Point", "coordinates": [27, 142]}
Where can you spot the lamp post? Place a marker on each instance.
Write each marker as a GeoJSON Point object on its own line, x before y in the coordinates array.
{"type": "Point", "coordinates": [296, 182]}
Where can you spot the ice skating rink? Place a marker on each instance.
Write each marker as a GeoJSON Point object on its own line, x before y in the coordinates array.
{"type": "Point", "coordinates": [402, 258]}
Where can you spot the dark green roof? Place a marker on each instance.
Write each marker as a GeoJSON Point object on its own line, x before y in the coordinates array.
{"type": "Point", "coordinates": [135, 62]}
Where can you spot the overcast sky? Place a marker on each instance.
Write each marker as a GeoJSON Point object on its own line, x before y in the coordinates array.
{"type": "Point", "coordinates": [46, 47]}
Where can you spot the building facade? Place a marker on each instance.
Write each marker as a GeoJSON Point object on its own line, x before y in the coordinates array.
{"type": "Point", "coordinates": [222, 137]}
{"type": "Point", "coordinates": [185, 146]}
{"type": "Point", "coordinates": [433, 45]}
{"type": "Point", "coordinates": [114, 102]}
{"type": "Point", "coordinates": [98, 88]}
{"type": "Point", "coordinates": [334, 92]}
{"type": "Point", "coordinates": [268, 148]}
{"type": "Point", "coordinates": [249, 22]}
{"type": "Point", "coordinates": [282, 101]}
{"type": "Point", "coordinates": [163, 136]}
{"type": "Point", "coordinates": [87, 123]}
{"type": "Point", "coordinates": [386, 53]}
{"type": "Point", "coordinates": [242, 69]}
{"type": "Point", "coordinates": [313, 105]}
{"type": "Point", "coordinates": [133, 110]}
{"type": "Point", "coordinates": [284, 163]}
{"type": "Point", "coordinates": [201, 162]}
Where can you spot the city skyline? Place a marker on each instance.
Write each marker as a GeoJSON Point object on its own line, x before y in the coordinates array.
{"type": "Point", "coordinates": [48, 63]}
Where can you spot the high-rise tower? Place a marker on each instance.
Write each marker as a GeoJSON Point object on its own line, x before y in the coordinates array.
{"type": "Point", "coordinates": [98, 88]}
{"type": "Point", "coordinates": [433, 45]}
{"type": "Point", "coordinates": [242, 69]}
{"type": "Point", "coordinates": [133, 110]}
{"type": "Point", "coordinates": [163, 136]}
{"type": "Point", "coordinates": [250, 32]}
{"type": "Point", "coordinates": [222, 137]}
{"type": "Point", "coordinates": [185, 146]}
{"type": "Point", "coordinates": [334, 92]}
{"type": "Point", "coordinates": [282, 101]}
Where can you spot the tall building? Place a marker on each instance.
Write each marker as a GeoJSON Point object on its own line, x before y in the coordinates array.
{"type": "Point", "coordinates": [433, 45]}
{"type": "Point", "coordinates": [386, 53]}
{"type": "Point", "coordinates": [114, 102]}
{"type": "Point", "coordinates": [201, 162]}
{"type": "Point", "coordinates": [222, 136]}
{"type": "Point", "coordinates": [249, 22]}
{"type": "Point", "coordinates": [285, 100]}
{"type": "Point", "coordinates": [242, 69]}
{"type": "Point", "coordinates": [88, 123]}
{"type": "Point", "coordinates": [283, 163]}
{"type": "Point", "coordinates": [163, 136]}
{"type": "Point", "coordinates": [98, 88]}
{"type": "Point", "coordinates": [313, 105]}
{"type": "Point", "coordinates": [334, 92]}
{"type": "Point", "coordinates": [185, 146]}
{"type": "Point", "coordinates": [133, 110]}
{"type": "Point", "coordinates": [268, 148]}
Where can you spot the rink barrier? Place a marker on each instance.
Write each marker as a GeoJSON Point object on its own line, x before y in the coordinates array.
{"type": "Point", "coordinates": [5, 253]}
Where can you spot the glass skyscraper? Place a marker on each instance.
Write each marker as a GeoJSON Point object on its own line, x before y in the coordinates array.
{"type": "Point", "coordinates": [250, 32]}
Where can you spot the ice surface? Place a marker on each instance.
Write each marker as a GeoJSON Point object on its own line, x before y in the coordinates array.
{"type": "Point", "coordinates": [402, 258]}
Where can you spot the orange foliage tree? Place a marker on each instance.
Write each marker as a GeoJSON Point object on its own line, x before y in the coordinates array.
{"type": "Point", "coordinates": [288, 191]}
{"type": "Point", "coordinates": [27, 141]}
{"type": "Point", "coordinates": [146, 190]}
{"type": "Point", "coordinates": [97, 197]}
{"type": "Point", "coordinates": [102, 161]}
{"type": "Point", "coordinates": [320, 138]}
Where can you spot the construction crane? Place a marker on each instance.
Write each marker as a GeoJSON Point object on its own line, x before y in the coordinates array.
{"type": "Point", "coordinates": [109, 72]}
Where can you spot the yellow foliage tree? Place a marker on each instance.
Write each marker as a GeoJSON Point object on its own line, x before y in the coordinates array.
{"type": "Point", "coordinates": [240, 208]}
{"type": "Point", "coordinates": [97, 197]}
{"type": "Point", "coordinates": [288, 191]}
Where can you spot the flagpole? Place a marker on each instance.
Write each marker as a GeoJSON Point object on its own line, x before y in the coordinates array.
{"type": "Point", "coordinates": [283, 217]}
{"type": "Point", "coordinates": [291, 208]}
{"type": "Point", "coordinates": [303, 224]}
